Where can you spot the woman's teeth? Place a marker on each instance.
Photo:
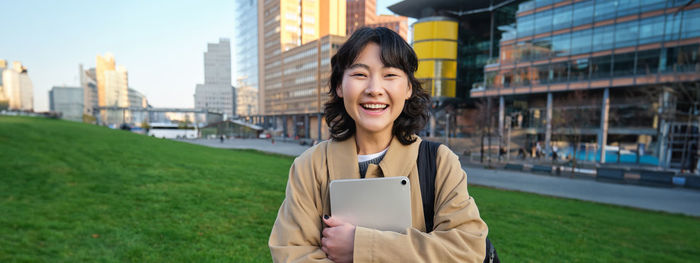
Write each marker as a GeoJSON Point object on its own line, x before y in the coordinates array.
{"type": "Point", "coordinates": [374, 106]}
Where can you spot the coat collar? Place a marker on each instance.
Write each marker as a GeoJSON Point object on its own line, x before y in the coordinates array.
{"type": "Point", "coordinates": [398, 161]}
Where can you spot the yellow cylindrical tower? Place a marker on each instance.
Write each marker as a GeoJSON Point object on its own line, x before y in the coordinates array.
{"type": "Point", "coordinates": [435, 43]}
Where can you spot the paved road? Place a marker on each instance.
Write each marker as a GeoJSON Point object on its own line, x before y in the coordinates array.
{"type": "Point", "coordinates": [674, 200]}
{"type": "Point", "coordinates": [286, 148]}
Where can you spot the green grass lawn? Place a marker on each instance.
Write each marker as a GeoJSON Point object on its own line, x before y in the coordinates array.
{"type": "Point", "coordinates": [77, 192]}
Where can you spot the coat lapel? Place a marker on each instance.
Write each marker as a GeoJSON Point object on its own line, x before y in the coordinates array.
{"type": "Point", "coordinates": [399, 158]}
{"type": "Point", "coordinates": [342, 159]}
{"type": "Point", "coordinates": [398, 161]}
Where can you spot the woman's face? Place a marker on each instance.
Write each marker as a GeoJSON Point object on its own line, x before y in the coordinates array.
{"type": "Point", "coordinates": [373, 95]}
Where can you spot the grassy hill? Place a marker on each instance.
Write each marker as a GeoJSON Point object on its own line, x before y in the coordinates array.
{"type": "Point", "coordinates": [77, 192]}
{"type": "Point", "coordinates": [87, 193]}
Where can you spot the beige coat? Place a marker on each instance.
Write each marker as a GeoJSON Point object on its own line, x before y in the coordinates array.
{"type": "Point", "coordinates": [459, 234]}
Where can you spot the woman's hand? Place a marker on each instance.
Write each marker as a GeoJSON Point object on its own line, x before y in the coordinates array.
{"type": "Point", "coordinates": [338, 240]}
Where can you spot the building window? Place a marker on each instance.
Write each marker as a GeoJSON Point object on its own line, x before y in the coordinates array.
{"type": "Point", "coordinates": [648, 5]}
{"type": "Point", "coordinates": [648, 62]}
{"type": "Point", "coordinates": [562, 17]}
{"type": "Point", "coordinates": [560, 72]}
{"type": "Point", "coordinates": [581, 42]}
{"type": "Point", "coordinates": [561, 44]}
{"type": "Point", "coordinates": [651, 30]}
{"type": "Point", "coordinates": [603, 38]}
{"type": "Point", "coordinates": [604, 10]}
{"type": "Point", "coordinates": [600, 67]}
{"type": "Point", "coordinates": [627, 7]}
{"type": "Point", "coordinates": [624, 64]}
{"type": "Point", "coordinates": [583, 13]}
{"type": "Point", "coordinates": [626, 34]}
{"type": "Point", "coordinates": [543, 74]}
{"type": "Point", "coordinates": [579, 69]}
{"type": "Point", "coordinates": [525, 25]}
{"type": "Point", "coordinates": [543, 21]}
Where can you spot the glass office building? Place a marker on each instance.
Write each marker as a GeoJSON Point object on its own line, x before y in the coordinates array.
{"type": "Point", "coordinates": [581, 75]}
{"type": "Point", "coordinates": [245, 48]}
{"type": "Point", "coordinates": [454, 40]}
{"type": "Point", "coordinates": [610, 73]}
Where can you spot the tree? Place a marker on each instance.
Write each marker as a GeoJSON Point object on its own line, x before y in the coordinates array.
{"type": "Point", "coordinates": [569, 121]}
{"type": "Point", "coordinates": [484, 126]}
{"type": "Point", "coordinates": [89, 119]}
{"type": "Point", "coordinates": [145, 125]}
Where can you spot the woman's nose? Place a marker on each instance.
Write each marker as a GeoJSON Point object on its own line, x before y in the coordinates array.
{"type": "Point", "coordinates": [374, 87]}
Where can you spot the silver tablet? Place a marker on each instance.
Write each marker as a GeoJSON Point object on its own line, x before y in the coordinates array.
{"type": "Point", "coordinates": [377, 203]}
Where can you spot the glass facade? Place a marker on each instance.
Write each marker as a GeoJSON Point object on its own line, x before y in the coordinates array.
{"type": "Point", "coordinates": [596, 40]}
{"type": "Point", "coordinates": [245, 44]}
{"type": "Point", "coordinates": [575, 52]}
{"type": "Point", "coordinates": [478, 43]}
{"type": "Point", "coordinates": [641, 58]}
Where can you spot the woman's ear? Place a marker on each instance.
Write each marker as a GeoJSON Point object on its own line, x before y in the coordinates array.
{"type": "Point", "coordinates": [410, 92]}
{"type": "Point", "coordinates": [339, 91]}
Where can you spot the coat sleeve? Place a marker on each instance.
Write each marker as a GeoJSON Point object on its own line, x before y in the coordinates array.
{"type": "Point", "coordinates": [296, 235]}
{"type": "Point", "coordinates": [459, 234]}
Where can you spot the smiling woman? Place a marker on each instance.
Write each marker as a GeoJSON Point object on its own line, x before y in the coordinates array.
{"type": "Point", "coordinates": [376, 108]}
{"type": "Point", "coordinates": [393, 66]}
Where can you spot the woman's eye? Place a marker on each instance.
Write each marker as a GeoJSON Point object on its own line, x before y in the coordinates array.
{"type": "Point", "coordinates": [358, 75]}
{"type": "Point", "coordinates": [391, 75]}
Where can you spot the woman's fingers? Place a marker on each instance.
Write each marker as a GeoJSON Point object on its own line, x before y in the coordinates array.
{"type": "Point", "coordinates": [324, 249]}
{"type": "Point", "coordinates": [327, 231]}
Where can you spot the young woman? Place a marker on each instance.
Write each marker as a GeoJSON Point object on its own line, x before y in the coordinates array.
{"type": "Point", "coordinates": [376, 108]}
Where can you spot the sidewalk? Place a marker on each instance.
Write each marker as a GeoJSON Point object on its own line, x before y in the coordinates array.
{"type": "Point", "coordinates": [263, 145]}
{"type": "Point", "coordinates": [672, 200]}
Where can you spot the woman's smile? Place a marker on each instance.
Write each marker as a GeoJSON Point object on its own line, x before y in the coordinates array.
{"type": "Point", "coordinates": [373, 94]}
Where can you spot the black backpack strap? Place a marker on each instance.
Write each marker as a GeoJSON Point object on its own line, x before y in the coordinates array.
{"type": "Point", "coordinates": [427, 169]}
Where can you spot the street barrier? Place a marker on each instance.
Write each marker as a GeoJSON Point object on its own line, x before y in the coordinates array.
{"type": "Point", "coordinates": [611, 174]}
{"type": "Point", "coordinates": [692, 182]}
{"type": "Point", "coordinates": [663, 178]}
{"type": "Point", "coordinates": [513, 166]}
{"type": "Point", "coordinates": [542, 169]}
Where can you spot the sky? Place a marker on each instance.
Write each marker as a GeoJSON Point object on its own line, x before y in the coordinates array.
{"type": "Point", "coordinates": [161, 42]}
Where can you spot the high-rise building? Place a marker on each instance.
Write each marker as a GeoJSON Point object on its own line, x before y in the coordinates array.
{"type": "Point", "coordinates": [331, 18]}
{"type": "Point", "coordinates": [18, 87]}
{"type": "Point", "coordinates": [105, 63]}
{"type": "Point", "coordinates": [304, 82]}
{"type": "Point", "coordinates": [363, 13]}
{"type": "Point", "coordinates": [245, 55]}
{"type": "Point", "coordinates": [112, 90]}
{"type": "Point", "coordinates": [116, 87]}
{"type": "Point", "coordinates": [359, 14]}
{"type": "Point", "coordinates": [398, 24]}
{"type": "Point", "coordinates": [88, 81]}
{"type": "Point", "coordinates": [286, 24]}
{"type": "Point", "coordinates": [292, 60]}
{"type": "Point", "coordinates": [68, 101]}
{"type": "Point", "coordinates": [137, 99]}
{"type": "Point", "coordinates": [217, 94]}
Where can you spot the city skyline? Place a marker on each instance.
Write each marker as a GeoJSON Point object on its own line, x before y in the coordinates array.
{"type": "Point", "coordinates": [153, 40]}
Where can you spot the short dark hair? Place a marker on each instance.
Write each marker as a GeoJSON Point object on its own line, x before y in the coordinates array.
{"type": "Point", "coordinates": [395, 52]}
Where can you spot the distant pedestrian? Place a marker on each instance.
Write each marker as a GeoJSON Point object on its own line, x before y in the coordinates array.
{"type": "Point", "coordinates": [554, 153]}
{"type": "Point", "coordinates": [222, 138]}
{"type": "Point", "coordinates": [538, 150]}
